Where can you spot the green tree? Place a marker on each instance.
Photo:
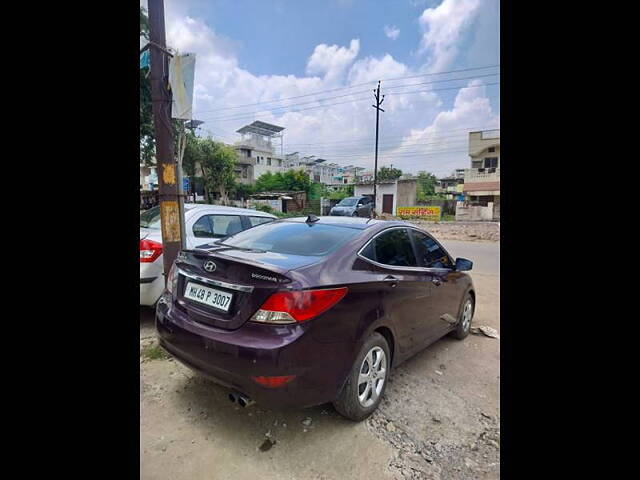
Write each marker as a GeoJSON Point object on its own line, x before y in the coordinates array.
{"type": "Point", "coordinates": [217, 163]}
{"type": "Point", "coordinates": [243, 190]}
{"type": "Point", "coordinates": [426, 185]}
{"type": "Point", "coordinates": [295, 180]}
{"type": "Point", "coordinates": [389, 173]}
{"type": "Point", "coordinates": [342, 192]}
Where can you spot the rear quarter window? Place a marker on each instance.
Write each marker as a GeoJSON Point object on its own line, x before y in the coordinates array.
{"type": "Point", "coordinates": [259, 220]}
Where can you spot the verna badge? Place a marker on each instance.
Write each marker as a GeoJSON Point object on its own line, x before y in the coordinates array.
{"type": "Point", "coordinates": [210, 266]}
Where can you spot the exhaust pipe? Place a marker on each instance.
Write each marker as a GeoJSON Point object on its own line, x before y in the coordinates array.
{"type": "Point", "coordinates": [241, 399]}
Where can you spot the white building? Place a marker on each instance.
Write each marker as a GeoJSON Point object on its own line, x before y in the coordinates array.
{"type": "Point", "coordinates": [390, 194]}
{"type": "Point", "coordinates": [256, 152]}
{"type": "Point", "coordinates": [318, 169]}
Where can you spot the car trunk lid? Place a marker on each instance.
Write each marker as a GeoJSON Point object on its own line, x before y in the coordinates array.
{"type": "Point", "coordinates": [249, 276]}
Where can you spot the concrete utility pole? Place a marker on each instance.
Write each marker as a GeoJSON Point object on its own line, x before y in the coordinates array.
{"type": "Point", "coordinates": [376, 94]}
{"type": "Point", "coordinates": [170, 214]}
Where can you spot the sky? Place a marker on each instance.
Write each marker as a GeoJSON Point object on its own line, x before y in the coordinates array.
{"type": "Point", "coordinates": [312, 66]}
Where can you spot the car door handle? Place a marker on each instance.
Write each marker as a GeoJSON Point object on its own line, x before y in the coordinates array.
{"type": "Point", "coordinates": [391, 280]}
{"type": "Point", "coordinates": [436, 281]}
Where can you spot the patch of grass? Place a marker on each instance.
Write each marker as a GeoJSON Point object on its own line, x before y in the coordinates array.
{"type": "Point", "coordinates": [448, 218]}
{"type": "Point", "coordinates": [153, 352]}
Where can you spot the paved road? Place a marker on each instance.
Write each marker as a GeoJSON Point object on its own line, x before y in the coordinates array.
{"type": "Point", "coordinates": [439, 418]}
{"type": "Point", "coordinates": [484, 255]}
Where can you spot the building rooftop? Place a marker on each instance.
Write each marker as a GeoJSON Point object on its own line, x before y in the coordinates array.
{"type": "Point", "coordinates": [261, 128]}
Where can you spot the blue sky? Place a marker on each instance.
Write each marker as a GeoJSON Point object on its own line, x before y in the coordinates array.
{"type": "Point", "coordinates": [251, 51]}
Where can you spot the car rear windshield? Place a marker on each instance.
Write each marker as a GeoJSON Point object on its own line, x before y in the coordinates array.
{"type": "Point", "coordinates": [293, 238]}
{"type": "Point", "coordinates": [151, 217]}
{"type": "Point", "coordinates": [348, 202]}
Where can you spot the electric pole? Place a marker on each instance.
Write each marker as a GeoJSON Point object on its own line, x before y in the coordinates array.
{"type": "Point", "coordinates": [376, 94]}
{"type": "Point", "coordinates": [170, 214]}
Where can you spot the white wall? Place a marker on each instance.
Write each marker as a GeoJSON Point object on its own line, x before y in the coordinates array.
{"type": "Point", "coordinates": [383, 189]}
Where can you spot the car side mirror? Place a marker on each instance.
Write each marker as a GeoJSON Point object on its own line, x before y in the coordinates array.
{"type": "Point", "coordinates": [463, 265]}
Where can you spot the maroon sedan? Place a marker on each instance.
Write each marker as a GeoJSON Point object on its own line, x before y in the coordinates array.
{"type": "Point", "coordinates": [304, 311]}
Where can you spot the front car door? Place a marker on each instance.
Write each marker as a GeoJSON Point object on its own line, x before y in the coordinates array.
{"type": "Point", "coordinates": [448, 286]}
{"type": "Point", "coordinates": [405, 286]}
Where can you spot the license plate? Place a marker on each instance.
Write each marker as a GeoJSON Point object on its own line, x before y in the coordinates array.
{"type": "Point", "coordinates": [209, 296]}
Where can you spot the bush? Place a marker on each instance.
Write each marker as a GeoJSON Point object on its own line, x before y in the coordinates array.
{"type": "Point", "coordinates": [265, 208]}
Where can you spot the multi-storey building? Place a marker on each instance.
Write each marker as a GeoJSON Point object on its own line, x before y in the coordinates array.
{"type": "Point", "coordinates": [482, 180]}
{"type": "Point", "coordinates": [256, 152]}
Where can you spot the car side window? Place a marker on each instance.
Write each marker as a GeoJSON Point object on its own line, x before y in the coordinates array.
{"type": "Point", "coordinates": [392, 248]}
{"type": "Point", "coordinates": [259, 220]}
{"type": "Point", "coordinates": [217, 226]}
{"type": "Point", "coordinates": [430, 254]}
{"type": "Point", "coordinates": [202, 228]}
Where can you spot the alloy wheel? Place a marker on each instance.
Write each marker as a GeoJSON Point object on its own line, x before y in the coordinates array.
{"type": "Point", "coordinates": [467, 313]}
{"type": "Point", "coordinates": [373, 374]}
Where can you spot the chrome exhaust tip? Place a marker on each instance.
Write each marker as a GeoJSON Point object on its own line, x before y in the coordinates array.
{"type": "Point", "coordinates": [243, 400]}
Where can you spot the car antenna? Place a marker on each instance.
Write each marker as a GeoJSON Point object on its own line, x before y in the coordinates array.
{"type": "Point", "coordinates": [311, 218]}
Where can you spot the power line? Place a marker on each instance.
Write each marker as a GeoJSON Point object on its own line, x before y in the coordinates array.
{"type": "Point", "coordinates": [348, 88]}
{"type": "Point", "coordinates": [350, 94]}
{"type": "Point", "coordinates": [463, 131]}
{"type": "Point", "coordinates": [254, 114]}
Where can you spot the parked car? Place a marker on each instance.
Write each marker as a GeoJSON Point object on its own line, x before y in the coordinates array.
{"type": "Point", "coordinates": [203, 223]}
{"type": "Point", "coordinates": [304, 311]}
{"type": "Point", "coordinates": [353, 207]}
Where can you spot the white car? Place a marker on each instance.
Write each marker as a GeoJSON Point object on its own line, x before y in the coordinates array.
{"type": "Point", "coordinates": [203, 224]}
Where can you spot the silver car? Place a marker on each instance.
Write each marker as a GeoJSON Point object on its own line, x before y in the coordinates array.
{"type": "Point", "coordinates": [353, 207]}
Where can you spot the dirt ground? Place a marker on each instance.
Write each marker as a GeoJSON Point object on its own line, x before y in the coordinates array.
{"type": "Point", "coordinates": [439, 418]}
{"type": "Point", "coordinates": [467, 231]}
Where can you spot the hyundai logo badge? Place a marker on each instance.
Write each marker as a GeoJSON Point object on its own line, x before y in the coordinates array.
{"type": "Point", "coordinates": [210, 266]}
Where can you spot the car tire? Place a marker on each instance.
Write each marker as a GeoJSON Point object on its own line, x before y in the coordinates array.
{"type": "Point", "coordinates": [348, 403]}
{"type": "Point", "coordinates": [467, 310]}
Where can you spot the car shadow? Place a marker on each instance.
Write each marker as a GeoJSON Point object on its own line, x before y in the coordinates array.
{"type": "Point", "coordinates": [206, 405]}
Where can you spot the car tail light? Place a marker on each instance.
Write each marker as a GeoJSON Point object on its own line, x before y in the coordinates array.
{"type": "Point", "coordinates": [172, 281]}
{"type": "Point", "coordinates": [149, 251]}
{"type": "Point", "coordinates": [273, 382]}
{"type": "Point", "coordinates": [291, 307]}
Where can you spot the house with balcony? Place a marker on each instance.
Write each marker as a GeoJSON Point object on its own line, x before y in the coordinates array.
{"type": "Point", "coordinates": [256, 151]}
{"type": "Point", "coordinates": [452, 186]}
{"type": "Point", "coordinates": [482, 181]}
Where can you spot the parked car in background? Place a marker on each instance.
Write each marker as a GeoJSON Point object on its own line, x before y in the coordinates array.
{"type": "Point", "coordinates": [203, 223]}
{"type": "Point", "coordinates": [304, 311]}
{"type": "Point", "coordinates": [353, 207]}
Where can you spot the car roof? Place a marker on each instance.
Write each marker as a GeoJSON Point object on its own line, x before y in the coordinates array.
{"type": "Point", "coordinates": [225, 209]}
{"type": "Point", "coordinates": [359, 223]}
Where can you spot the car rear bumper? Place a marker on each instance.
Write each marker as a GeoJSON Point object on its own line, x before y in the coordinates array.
{"type": "Point", "coordinates": [232, 357]}
{"type": "Point", "coordinates": [150, 290]}
{"type": "Point", "coordinates": [151, 282]}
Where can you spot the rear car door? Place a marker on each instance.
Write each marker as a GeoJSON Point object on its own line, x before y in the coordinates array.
{"type": "Point", "coordinates": [447, 287]}
{"type": "Point", "coordinates": [404, 285]}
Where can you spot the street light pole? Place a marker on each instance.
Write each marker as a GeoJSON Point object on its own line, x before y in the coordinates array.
{"type": "Point", "coordinates": [379, 101]}
{"type": "Point", "coordinates": [170, 218]}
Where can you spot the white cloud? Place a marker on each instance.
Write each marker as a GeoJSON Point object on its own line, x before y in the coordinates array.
{"type": "Point", "coordinates": [443, 143]}
{"type": "Point", "coordinates": [442, 30]}
{"type": "Point", "coordinates": [332, 61]}
{"type": "Point", "coordinates": [391, 32]}
{"type": "Point", "coordinates": [344, 131]}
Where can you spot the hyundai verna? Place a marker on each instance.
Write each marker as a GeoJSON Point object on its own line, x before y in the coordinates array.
{"type": "Point", "coordinates": [305, 311]}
